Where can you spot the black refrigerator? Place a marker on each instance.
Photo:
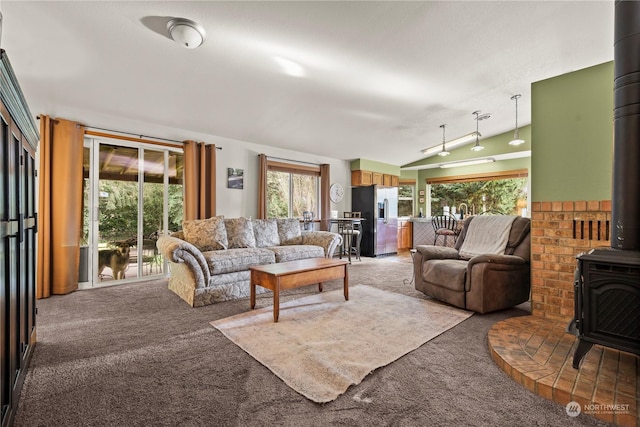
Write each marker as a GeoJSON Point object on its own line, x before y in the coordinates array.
{"type": "Point", "coordinates": [379, 208]}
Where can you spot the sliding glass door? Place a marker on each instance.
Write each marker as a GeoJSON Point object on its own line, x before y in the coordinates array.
{"type": "Point", "coordinates": [133, 193]}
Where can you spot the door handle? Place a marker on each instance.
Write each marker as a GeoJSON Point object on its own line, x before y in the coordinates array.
{"type": "Point", "coordinates": [386, 210]}
{"type": "Point", "coordinates": [20, 228]}
{"type": "Point", "coordinates": [10, 229]}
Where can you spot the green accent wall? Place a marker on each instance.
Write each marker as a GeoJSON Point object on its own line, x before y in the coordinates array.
{"type": "Point", "coordinates": [373, 166]}
{"type": "Point", "coordinates": [409, 175]}
{"type": "Point", "coordinates": [572, 134]}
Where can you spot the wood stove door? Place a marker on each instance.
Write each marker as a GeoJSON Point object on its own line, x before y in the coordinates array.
{"type": "Point", "coordinates": [611, 306]}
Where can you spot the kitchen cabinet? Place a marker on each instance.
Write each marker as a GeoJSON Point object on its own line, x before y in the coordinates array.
{"type": "Point", "coordinates": [361, 177]}
{"type": "Point", "coordinates": [405, 231]}
{"type": "Point", "coordinates": [377, 178]}
{"type": "Point", "coordinates": [364, 177]}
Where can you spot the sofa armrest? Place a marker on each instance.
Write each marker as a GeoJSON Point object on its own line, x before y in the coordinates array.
{"type": "Point", "coordinates": [182, 252]}
{"type": "Point", "coordinates": [328, 240]}
{"type": "Point", "coordinates": [437, 252]}
{"type": "Point", "coordinates": [495, 282]}
{"type": "Point", "coordinates": [496, 259]}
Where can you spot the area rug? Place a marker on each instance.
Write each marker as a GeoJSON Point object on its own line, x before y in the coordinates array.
{"type": "Point", "coordinates": [322, 344]}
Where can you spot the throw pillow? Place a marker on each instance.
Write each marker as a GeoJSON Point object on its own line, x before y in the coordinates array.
{"type": "Point", "coordinates": [289, 231]}
{"type": "Point", "coordinates": [266, 232]}
{"type": "Point", "coordinates": [206, 234]}
{"type": "Point", "coordinates": [240, 233]}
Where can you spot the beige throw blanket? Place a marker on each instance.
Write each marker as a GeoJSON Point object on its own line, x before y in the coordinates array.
{"type": "Point", "coordinates": [487, 234]}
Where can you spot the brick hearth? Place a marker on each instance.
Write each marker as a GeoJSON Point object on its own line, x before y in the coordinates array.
{"type": "Point", "coordinates": [536, 351]}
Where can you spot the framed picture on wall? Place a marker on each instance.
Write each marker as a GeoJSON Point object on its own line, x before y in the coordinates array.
{"type": "Point", "coordinates": [421, 200]}
{"type": "Point", "coordinates": [235, 178]}
{"type": "Point", "coordinates": [421, 193]}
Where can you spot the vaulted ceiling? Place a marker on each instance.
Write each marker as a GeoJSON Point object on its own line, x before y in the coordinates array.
{"type": "Point", "coordinates": [378, 78]}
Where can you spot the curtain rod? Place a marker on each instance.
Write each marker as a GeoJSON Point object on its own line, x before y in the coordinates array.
{"type": "Point", "coordinates": [142, 136]}
{"type": "Point", "coordinates": [294, 161]}
{"type": "Point", "coordinates": [136, 134]}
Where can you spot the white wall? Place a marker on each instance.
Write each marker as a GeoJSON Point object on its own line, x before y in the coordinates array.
{"type": "Point", "coordinates": [236, 154]}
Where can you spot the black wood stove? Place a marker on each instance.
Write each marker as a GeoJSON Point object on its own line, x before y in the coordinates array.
{"type": "Point", "coordinates": [607, 301]}
{"type": "Point", "coordinates": [607, 285]}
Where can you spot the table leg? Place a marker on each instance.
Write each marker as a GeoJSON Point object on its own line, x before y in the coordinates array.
{"type": "Point", "coordinates": [413, 275]}
{"type": "Point", "coordinates": [276, 301]}
{"type": "Point", "coordinates": [345, 282]}
{"type": "Point", "coordinates": [252, 294]}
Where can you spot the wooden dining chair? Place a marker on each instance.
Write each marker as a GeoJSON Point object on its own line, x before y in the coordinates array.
{"type": "Point", "coordinates": [445, 225]}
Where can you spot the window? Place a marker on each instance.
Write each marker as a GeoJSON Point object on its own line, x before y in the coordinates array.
{"type": "Point", "coordinates": [503, 193]}
{"type": "Point", "coordinates": [405, 199]}
{"type": "Point", "coordinates": [292, 189]}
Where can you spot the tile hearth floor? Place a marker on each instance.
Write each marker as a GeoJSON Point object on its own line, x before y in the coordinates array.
{"type": "Point", "coordinates": [538, 353]}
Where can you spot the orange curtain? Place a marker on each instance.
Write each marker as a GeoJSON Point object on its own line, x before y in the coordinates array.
{"type": "Point", "coordinates": [199, 180]}
{"type": "Point", "coordinates": [59, 206]}
{"type": "Point", "coordinates": [325, 178]}
{"type": "Point", "coordinates": [262, 186]}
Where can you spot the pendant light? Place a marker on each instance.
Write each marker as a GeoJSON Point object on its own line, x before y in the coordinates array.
{"type": "Point", "coordinates": [516, 138]}
{"type": "Point", "coordinates": [477, 146]}
{"type": "Point", "coordinates": [444, 151]}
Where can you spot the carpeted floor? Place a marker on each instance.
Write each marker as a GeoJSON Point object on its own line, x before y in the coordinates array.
{"type": "Point", "coordinates": [137, 355]}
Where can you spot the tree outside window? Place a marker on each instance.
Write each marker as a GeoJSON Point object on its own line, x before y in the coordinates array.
{"type": "Point", "coordinates": [291, 194]}
{"type": "Point", "coordinates": [405, 200]}
{"type": "Point", "coordinates": [500, 196]}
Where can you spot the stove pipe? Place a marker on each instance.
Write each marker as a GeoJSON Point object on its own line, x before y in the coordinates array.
{"type": "Point", "coordinates": [625, 201]}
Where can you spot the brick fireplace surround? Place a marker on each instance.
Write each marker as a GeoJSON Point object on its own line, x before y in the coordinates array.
{"type": "Point", "coordinates": [535, 350]}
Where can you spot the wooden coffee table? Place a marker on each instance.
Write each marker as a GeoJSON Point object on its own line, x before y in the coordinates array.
{"type": "Point", "coordinates": [295, 274]}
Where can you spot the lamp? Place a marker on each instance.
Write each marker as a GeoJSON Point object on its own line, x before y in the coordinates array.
{"type": "Point", "coordinates": [444, 151]}
{"type": "Point", "coordinates": [463, 140]}
{"type": "Point", "coordinates": [477, 146]}
{"type": "Point", "coordinates": [467, 163]}
{"type": "Point", "coordinates": [185, 32]}
{"type": "Point", "coordinates": [516, 138]}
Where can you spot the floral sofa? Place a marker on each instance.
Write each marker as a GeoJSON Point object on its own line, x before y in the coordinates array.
{"type": "Point", "coordinates": [209, 259]}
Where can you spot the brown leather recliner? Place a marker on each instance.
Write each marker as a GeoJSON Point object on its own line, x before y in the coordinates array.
{"type": "Point", "coordinates": [483, 283]}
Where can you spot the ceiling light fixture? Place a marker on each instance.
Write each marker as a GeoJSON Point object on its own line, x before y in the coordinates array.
{"type": "Point", "coordinates": [186, 33]}
{"type": "Point", "coordinates": [467, 163]}
{"type": "Point", "coordinates": [463, 140]}
{"type": "Point", "coordinates": [477, 146]}
{"type": "Point", "coordinates": [516, 138]}
{"type": "Point", "coordinates": [444, 151]}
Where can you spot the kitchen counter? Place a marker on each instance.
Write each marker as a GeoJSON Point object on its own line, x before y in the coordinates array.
{"type": "Point", "coordinates": [418, 219]}
{"type": "Point", "coordinates": [422, 231]}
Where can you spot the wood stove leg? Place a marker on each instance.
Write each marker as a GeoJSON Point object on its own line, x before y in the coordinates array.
{"type": "Point", "coordinates": [582, 349]}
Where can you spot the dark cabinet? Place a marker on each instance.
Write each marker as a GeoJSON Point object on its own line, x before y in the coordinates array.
{"type": "Point", "coordinates": [18, 227]}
